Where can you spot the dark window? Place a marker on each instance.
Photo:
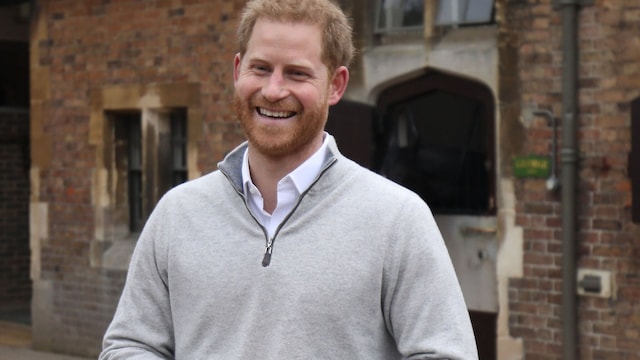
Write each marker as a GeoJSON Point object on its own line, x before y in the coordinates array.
{"type": "Point", "coordinates": [134, 173]}
{"type": "Point", "coordinates": [124, 153]}
{"type": "Point", "coordinates": [149, 157]}
{"type": "Point", "coordinates": [179, 146]}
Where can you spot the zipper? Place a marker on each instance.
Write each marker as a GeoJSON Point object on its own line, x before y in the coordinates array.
{"type": "Point", "coordinates": [266, 260]}
{"type": "Point", "coordinates": [269, 247]}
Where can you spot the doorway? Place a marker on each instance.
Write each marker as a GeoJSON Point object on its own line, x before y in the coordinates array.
{"type": "Point", "coordinates": [15, 255]}
{"type": "Point", "coordinates": [434, 134]}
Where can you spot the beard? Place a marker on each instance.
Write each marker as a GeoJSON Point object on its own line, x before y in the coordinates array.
{"type": "Point", "coordinates": [281, 140]}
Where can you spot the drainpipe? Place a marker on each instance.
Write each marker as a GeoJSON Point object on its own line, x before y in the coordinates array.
{"type": "Point", "coordinates": [568, 181]}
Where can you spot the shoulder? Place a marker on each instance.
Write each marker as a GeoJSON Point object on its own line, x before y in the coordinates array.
{"type": "Point", "coordinates": [376, 185]}
{"type": "Point", "coordinates": [371, 193]}
{"type": "Point", "coordinates": [206, 188]}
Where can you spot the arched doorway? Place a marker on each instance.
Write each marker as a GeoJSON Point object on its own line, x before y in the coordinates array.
{"type": "Point", "coordinates": [435, 135]}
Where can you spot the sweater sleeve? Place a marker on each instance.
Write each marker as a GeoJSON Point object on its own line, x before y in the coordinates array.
{"type": "Point", "coordinates": [423, 303]}
{"type": "Point", "coordinates": [142, 327]}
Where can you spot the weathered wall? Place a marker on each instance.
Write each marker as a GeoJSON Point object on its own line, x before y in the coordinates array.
{"type": "Point", "coordinates": [609, 79]}
{"type": "Point", "coordinates": [80, 51]}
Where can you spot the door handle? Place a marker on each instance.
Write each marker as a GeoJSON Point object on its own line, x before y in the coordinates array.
{"type": "Point", "coordinates": [478, 231]}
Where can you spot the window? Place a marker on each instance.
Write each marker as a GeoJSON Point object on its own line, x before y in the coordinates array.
{"type": "Point", "coordinates": [145, 140]}
{"type": "Point", "coordinates": [464, 12]}
{"type": "Point", "coordinates": [142, 144]}
{"type": "Point", "coordinates": [409, 14]}
{"type": "Point", "coordinates": [399, 14]}
{"type": "Point", "coordinates": [127, 146]}
{"type": "Point", "coordinates": [179, 146]}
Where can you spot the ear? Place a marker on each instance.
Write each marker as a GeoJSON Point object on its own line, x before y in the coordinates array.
{"type": "Point", "coordinates": [338, 84]}
{"type": "Point", "coordinates": [236, 67]}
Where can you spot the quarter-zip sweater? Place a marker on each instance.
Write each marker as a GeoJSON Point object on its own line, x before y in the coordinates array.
{"type": "Point", "coordinates": [357, 270]}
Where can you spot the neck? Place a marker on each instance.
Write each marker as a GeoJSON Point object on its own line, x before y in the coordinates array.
{"type": "Point", "coordinates": [267, 171]}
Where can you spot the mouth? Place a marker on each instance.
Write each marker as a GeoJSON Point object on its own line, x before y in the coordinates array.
{"type": "Point", "coordinates": [275, 114]}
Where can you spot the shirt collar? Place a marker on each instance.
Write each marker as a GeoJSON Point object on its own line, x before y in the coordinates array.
{"type": "Point", "coordinates": [302, 176]}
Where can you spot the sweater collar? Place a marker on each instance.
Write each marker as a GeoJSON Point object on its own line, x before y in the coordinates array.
{"type": "Point", "coordinates": [231, 165]}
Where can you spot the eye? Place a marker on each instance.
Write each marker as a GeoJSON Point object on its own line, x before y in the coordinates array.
{"type": "Point", "coordinates": [298, 74]}
{"type": "Point", "coordinates": [260, 69]}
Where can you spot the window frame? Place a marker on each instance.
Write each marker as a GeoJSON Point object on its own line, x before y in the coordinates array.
{"type": "Point", "coordinates": [433, 15]}
{"type": "Point", "coordinates": [114, 239]}
{"type": "Point", "coordinates": [141, 140]}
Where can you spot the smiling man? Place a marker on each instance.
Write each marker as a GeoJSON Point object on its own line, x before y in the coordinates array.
{"type": "Point", "coordinates": [290, 250]}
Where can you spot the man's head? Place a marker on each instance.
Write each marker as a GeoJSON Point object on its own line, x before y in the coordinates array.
{"type": "Point", "coordinates": [290, 69]}
{"type": "Point", "coordinates": [337, 45]}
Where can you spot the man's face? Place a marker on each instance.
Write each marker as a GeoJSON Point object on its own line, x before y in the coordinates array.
{"type": "Point", "coordinates": [283, 89]}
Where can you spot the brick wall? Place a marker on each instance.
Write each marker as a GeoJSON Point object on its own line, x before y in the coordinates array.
{"type": "Point", "coordinates": [609, 79]}
{"type": "Point", "coordinates": [78, 48]}
{"type": "Point", "coordinates": [15, 285]}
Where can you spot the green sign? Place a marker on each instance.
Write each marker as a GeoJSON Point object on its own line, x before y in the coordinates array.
{"type": "Point", "coordinates": [532, 166]}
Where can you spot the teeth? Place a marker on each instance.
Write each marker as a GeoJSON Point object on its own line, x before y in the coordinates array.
{"type": "Point", "coordinates": [275, 114]}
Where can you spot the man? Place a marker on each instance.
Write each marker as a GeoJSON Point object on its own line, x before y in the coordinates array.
{"type": "Point", "coordinates": [290, 250]}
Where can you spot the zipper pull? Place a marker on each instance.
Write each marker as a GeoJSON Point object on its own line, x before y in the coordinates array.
{"type": "Point", "coordinates": [266, 260]}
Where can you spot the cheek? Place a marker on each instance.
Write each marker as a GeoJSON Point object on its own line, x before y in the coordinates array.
{"type": "Point", "coordinates": [311, 98]}
{"type": "Point", "coordinates": [244, 87]}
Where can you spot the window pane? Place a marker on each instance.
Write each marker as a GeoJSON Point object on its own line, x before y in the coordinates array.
{"type": "Point", "coordinates": [395, 14]}
{"type": "Point", "coordinates": [135, 144]}
{"type": "Point", "coordinates": [452, 12]}
{"type": "Point", "coordinates": [479, 11]}
{"type": "Point", "coordinates": [413, 13]}
{"type": "Point", "coordinates": [179, 146]}
{"type": "Point", "coordinates": [381, 22]}
{"type": "Point", "coordinates": [136, 215]}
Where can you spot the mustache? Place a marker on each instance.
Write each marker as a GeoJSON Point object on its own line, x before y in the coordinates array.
{"type": "Point", "coordinates": [279, 105]}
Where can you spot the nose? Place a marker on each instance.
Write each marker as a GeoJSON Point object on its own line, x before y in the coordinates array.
{"type": "Point", "coordinates": [275, 88]}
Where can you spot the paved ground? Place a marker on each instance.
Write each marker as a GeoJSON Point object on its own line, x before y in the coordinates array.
{"type": "Point", "coordinates": [8, 352]}
{"type": "Point", "coordinates": [15, 344]}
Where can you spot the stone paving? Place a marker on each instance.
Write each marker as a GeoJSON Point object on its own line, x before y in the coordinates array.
{"type": "Point", "coordinates": [15, 344]}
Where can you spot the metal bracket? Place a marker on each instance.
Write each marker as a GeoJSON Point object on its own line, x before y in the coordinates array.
{"type": "Point", "coordinates": [559, 3]}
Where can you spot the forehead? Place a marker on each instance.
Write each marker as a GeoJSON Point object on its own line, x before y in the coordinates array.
{"type": "Point", "coordinates": [281, 36]}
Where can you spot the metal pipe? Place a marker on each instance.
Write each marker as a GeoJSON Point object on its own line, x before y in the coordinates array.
{"type": "Point", "coordinates": [568, 161]}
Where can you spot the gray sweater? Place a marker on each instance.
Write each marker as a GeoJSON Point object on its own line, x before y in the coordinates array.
{"type": "Point", "coordinates": [358, 270]}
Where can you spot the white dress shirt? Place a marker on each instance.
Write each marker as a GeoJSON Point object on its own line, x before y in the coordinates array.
{"type": "Point", "coordinates": [289, 188]}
